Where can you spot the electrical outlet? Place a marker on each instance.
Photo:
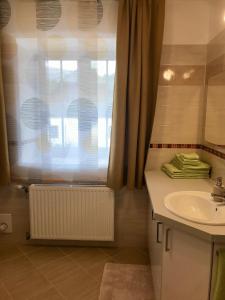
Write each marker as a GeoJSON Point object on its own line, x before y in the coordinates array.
{"type": "Point", "coordinates": [6, 219]}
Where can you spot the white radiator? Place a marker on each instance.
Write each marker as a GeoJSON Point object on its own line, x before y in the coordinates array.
{"type": "Point", "coordinates": [71, 212]}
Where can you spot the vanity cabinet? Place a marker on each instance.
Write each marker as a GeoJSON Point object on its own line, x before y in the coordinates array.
{"type": "Point", "coordinates": [155, 246]}
{"type": "Point", "coordinates": [186, 253]}
{"type": "Point", "coordinates": [180, 263]}
{"type": "Point", "coordinates": [186, 266]}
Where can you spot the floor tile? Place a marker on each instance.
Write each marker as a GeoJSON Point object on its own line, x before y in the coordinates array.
{"type": "Point", "coordinates": [29, 285]}
{"type": "Point", "coordinates": [67, 250]}
{"type": "Point", "coordinates": [96, 271]}
{"type": "Point", "coordinates": [58, 270]}
{"type": "Point", "coordinates": [27, 249]}
{"type": "Point", "coordinates": [131, 256]}
{"type": "Point", "coordinates": [9, 252]}
{"type": "Point", "coordinates": [79, 286]}
{"type": "Point", "coordinates": [44, 256]}
{"type": "Point", "coordinates": [50, 294]}
{"type": "Point", "coordinates": [14, 269]}
{"type": "Point", "coordinates": [77, 250]}
{"type": "Point", "coordinates": [41, 272]}
{"type": "Point", "coordinates": [111, 251]}
{"type": "Point", "coordinates": [89, 256]}
{"type": "Point", "coordinates": [21, 278]}
{"type": "Point", "coordinates": [4, 294]}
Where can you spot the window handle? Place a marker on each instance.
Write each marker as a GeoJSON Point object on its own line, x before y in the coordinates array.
{"type": "Point", "coordinates": [157, 233]}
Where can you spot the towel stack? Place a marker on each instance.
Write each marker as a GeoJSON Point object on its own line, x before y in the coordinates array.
{"type": "Point", "coordinates": [187, 165]}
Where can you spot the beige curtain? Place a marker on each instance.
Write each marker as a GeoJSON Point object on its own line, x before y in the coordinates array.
{"type": "Point", "coordinates": [4, 159]}
{"type": "Point", "coordinates": [139, 43]}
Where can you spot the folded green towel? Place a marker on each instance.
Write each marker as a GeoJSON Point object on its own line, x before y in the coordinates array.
{"type": "Point", "coordinates": [174, 172]}
{"type": "Point", "coordinates": [219, 290]}
{"type": "Point", "coordinates": [202, 166]}
{"type": "Point", "coordinates": [186, 176]}
{"type": "Point", "coordinates": [172, 169]}
{"type": "Point", "coordinates": [187, 165]}
{"type": "Point", "coordinates": [189, 156]}
{"type": "Point", "coordinates": [184, 161]}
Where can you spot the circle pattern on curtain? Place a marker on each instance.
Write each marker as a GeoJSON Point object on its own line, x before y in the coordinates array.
{"type": "Point", "coordinates": [99, 11]}
{"type": "Point", "coordinates": [34, 113]}
{"type": "Point", "coordinates": [86, 112]}
{"type": "Point", "coordinates": [90, 14]}
{"type": "Point", "coordinates": [5, 13]}
{"type": "Point", "coordinates": [48, 14]}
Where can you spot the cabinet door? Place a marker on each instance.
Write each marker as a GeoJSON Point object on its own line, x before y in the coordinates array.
{"type": "Point", "coordinates": [186, 266]}
{"type": "Point", "coordinates": [155, 239]}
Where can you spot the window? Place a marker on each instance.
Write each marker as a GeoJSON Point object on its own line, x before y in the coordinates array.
{"type": "Point", "coordinates": [59, 78]}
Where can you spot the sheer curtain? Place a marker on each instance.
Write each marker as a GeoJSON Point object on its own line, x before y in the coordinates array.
{"type": "Point", "coordinates": [58, 72]}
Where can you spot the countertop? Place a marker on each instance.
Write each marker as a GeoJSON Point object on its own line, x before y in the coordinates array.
{"type": "Point", "coordinates": [159, 185]}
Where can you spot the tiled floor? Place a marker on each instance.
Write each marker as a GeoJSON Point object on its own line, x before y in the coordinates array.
{"type": "Point", "coordinates": [44, 273]}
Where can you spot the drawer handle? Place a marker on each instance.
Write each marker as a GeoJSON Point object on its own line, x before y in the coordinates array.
{"type": "Point", "coordinates": [167, 249]}
{"type": "Point", "coordinates": [157, 234]}
{"type": "Point", "coordinates": [153, 219]}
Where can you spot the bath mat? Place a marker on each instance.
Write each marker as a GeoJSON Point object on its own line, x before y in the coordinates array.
{"type": "Point", "coordinates": [126, 282]}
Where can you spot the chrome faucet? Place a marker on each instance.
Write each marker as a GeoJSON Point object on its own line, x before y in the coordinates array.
{"type": "Point", "coordinates": [219, 191]}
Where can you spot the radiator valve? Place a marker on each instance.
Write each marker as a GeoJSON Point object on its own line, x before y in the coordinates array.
{"type": "Point", "coordinates": [22, 187]}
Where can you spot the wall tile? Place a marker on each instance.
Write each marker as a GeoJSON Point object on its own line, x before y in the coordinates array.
{"type": "Point", "coordinates": [186, 22]}
{"type": "Point", "coordinates": [216, 47]}
{"type": "Point", "coordinates": [183, 55]}
{"type": "Point", "coordinates": [131, 218]}
{"type": "Point", "coordinates": [215, 112]}
{"type": "Point", "coordinates": [176, 106]}
{"type": "Point", "coordinates": [218, 164]}
{"type": "Point", "coordinates": [216, 77]}
{"type": "Point", "coordinates": [215, 67]}
{"type": "Point", "coordinates": [181, 75]}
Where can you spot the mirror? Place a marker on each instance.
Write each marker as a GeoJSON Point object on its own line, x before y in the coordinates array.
{"type": "Point", "coordinates": [215, 110]}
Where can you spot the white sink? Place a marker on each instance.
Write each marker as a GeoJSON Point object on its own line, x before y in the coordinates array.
{"type": "Point", "coordinates": [195, 206]}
